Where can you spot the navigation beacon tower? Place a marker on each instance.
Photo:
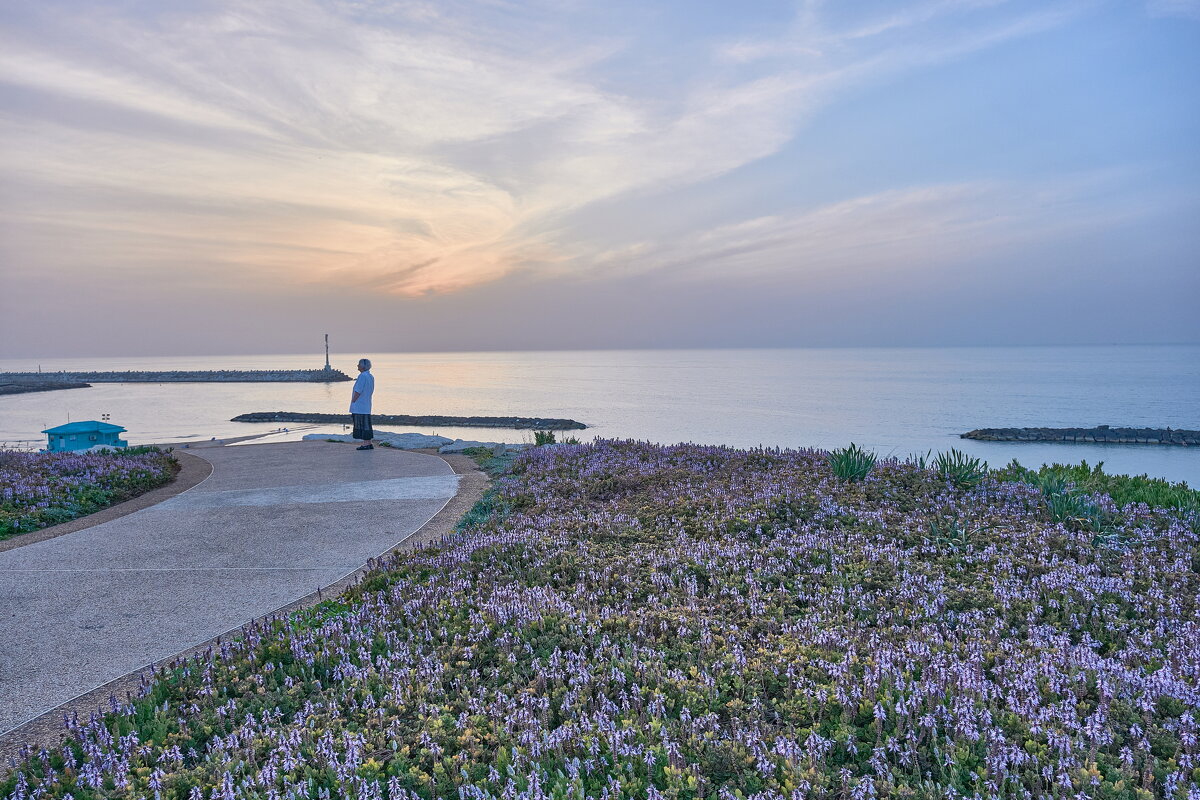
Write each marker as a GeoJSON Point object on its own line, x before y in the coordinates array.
{"type": "Point", "coordinates": [328, 368]}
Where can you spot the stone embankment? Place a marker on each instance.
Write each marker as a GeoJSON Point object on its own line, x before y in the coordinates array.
{"type": "Point", "coordinates": [1101, 434]}
{"type": "Point", "coordinates": [519, 423]}
{"type": "Point", "coordinates": [180, 376]}
{"type": "Point", "coordinates": [21, 387]}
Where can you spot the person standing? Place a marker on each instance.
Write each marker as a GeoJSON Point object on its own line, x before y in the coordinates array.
{"type": "Point", "coordinates": [360, 405]}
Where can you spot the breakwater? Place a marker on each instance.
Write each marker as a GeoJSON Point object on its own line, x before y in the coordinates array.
{"type": "Point", "coordinates": [1101, 434]}
{"type": "Point", "coordinates": [181, 376]}
{"type": "Point", "coordinates": [519, 423]}
{"type": "Point", "coordinates": [21, 387]}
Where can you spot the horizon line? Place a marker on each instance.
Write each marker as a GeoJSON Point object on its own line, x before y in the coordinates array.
{"type": "Point", "coordinates": [680, 348]}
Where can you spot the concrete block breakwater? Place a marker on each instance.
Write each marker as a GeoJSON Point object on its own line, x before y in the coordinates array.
{"type": "Point", "coordinates": [23, 387]}
{"type": "Point", "coordinates": [182, 376]}
{"type": "Point", "coordinates": [1101, 434]}
{"type": "Point", "coordinates": [520, 423]}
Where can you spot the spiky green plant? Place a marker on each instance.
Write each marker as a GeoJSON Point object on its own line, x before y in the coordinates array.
{"type": "Point", "coordinates": [1052, 483]}
{"type": "Point", "coordinates": [1068, 508]}
{"type": "Point", "coordinates": [952, 534]}
{"type": "Point", "coordinates": [851, 463]}
{"type": "Point", "coordinates": [960, 469]}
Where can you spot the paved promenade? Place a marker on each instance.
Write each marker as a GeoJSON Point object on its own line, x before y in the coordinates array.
{"type": "Point", "coordinates": [271, 524]}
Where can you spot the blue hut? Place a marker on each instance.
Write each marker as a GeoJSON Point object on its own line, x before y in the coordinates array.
{"type": "Point", "coordinates": [82, 435]}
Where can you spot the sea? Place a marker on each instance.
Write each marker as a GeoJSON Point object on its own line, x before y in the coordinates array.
{"type": "Point", "coordinates": [894, 401]}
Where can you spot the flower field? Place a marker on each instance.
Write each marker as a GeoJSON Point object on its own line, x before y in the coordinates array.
{"type": "Point", "coordinates": [639, 621]}
{"type": "Point", "coordinates": [41, 489]}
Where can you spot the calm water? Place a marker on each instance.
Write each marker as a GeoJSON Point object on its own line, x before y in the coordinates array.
{"type": "Point", "coordinates": [895, 401]}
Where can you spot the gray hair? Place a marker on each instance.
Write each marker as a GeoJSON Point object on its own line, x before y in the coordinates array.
{"type": "Point", "coordinates": [364, 362]}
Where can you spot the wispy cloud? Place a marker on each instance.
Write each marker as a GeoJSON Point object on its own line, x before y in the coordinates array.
{"type": "Point", "coordinates": [901, 231]}
{"type": "Point", "coordinates": [416, 147]}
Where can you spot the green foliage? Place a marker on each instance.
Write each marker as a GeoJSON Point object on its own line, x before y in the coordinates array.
{"type": "Point", "coordinates": [318, 615]}
{"type": "Point", "coordinates": [1070, 504]}
{"type": "Point", "coordinates": [960, 469]}
{"type": "Point", "coordinates": [952, 534]}
{"type": "Point", "coordinates": [852, 463]}
{"type": "Point", "coordinates": [550, 437]}
{"type": "Point", "coordinates": [492, 464]}
{"type": "Point", "coordinates": [1123, 489]}
{"type": "Point", "coordinates": [1065, 485]}
{"type": "Point", "coordinates": [491, 503]}
{"type": "Point", "coordinates": [1068, 507]}
{"type": "Point", "coordinates": [956, 532]}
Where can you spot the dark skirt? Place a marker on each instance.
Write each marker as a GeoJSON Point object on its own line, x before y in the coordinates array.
{"type": "Point", "coordinates": [362, 427]}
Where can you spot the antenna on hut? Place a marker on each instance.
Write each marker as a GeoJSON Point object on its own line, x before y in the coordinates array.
{"type": "Point", "coordinates": [327, 367]}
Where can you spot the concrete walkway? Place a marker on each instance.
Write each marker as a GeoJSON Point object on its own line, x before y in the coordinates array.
{"type": "Point", "coordinates": [271, 524]}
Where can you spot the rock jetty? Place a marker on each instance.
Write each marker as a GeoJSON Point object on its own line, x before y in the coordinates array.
{"type": "Point", "coordinates": [519, 423]}
{"type": "Point", "coordinates": [181, 376]}
{"type": "Point", "coordinates": [1101, 434]}
{"type": "Point", "coordinates": [21, 387]}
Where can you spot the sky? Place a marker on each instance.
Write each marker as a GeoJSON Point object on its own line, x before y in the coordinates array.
{"type": "Point", "coordinates": [212, 177]}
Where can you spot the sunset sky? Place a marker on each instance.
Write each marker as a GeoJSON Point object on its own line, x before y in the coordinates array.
{"type": "Point", "coordinates": [241, 177]}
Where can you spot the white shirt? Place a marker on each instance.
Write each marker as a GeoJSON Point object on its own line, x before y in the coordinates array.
{"type": "Point", "coordinates": [364, 384]}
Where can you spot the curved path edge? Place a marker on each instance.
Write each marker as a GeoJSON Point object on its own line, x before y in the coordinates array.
{"type": "Point", "coordinates": [47, 730]}
{"type": "Point", "coordinates": [193, 471]}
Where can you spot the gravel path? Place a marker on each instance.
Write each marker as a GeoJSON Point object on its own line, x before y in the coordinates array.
{"type": "Point", "coordinates": [269, 526]}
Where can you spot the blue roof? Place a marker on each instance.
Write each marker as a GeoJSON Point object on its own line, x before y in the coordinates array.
{"type": "Point", "coordinates": [89, 426]}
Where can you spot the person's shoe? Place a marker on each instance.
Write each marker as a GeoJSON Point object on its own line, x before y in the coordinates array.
{"type": "Point", "coordinates": [365, 447]}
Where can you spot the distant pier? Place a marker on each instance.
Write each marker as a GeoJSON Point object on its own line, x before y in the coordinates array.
{"type": "Point", "coordinates": [49, 379]}
{"type": "Point", "coordinates": [1101, 434]}
{"type": "Point", "coordinates": [519, 423]}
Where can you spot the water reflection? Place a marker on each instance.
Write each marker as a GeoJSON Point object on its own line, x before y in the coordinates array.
{"type": "Point", "coordinates": [895, 401]}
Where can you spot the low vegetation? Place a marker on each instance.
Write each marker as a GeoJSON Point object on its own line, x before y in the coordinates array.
{"type": "Point", "coordinates": [625, 620]}
{"type": "Point", "coordinates": [1122, 490]}
{"type": "Point", "coordinates": [42, 489]}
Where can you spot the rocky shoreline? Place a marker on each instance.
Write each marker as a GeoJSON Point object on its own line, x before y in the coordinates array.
{"type": "Point", "coordinates": [39, 386]}
{"type": "Point", "coordinates": [178, 376]}
{"type": "Point", "coordinates": [1101, 434]}
{"type": "Point", "coordinates": [518, 423]}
